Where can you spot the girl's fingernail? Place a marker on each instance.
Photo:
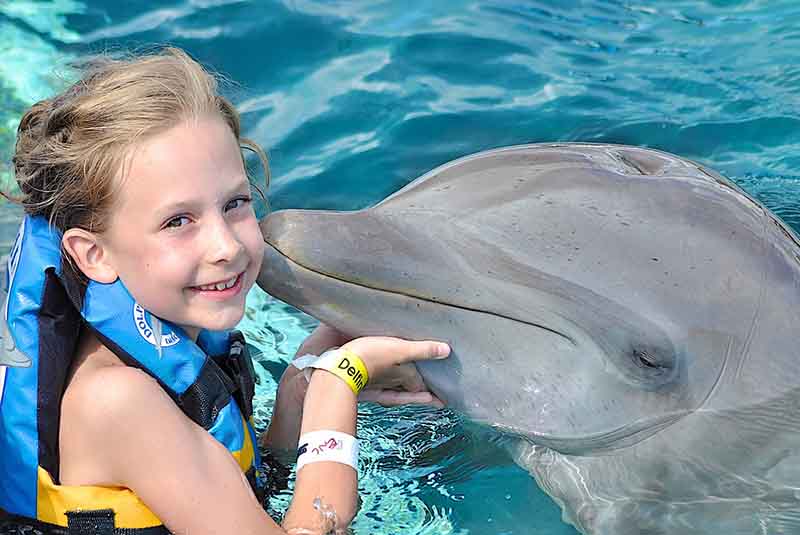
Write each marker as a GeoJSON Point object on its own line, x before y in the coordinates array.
{"type": "Point", "coordinates": [442, 350]}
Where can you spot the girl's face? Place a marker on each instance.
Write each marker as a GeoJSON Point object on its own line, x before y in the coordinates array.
{"type": "Point", "coordinates": [183, 236]}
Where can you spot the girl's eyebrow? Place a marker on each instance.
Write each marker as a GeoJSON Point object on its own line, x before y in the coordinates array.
{"type": "Point", "coordinates": [242, 185]}
{"type": "Point", "coordinates": [183, 206]}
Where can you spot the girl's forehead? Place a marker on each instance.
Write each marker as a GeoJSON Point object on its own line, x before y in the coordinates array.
{"type": "Point", "coordinates": [192, 160]}
{"type": "Point", "coordinates": [189, 145]}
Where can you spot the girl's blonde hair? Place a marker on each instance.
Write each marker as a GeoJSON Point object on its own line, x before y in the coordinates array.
{"type": "Point", "coordinates": [71, 147]}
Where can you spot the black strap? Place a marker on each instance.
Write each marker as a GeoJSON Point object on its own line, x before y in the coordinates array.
{"type": "Point", "coordinates": [238, 367]}
{"type": "Point", "coordinates": [101, 522]}
{"type": "Point", "coordinates": [79, 522]}
{"type": "Point", "coordinates": [208, 395]}
{"type": "Point", "coordinates": [97, 522]}
{"type": "Point", "coordinates": [59, 329]}
{"type": "Point", "coordinates": [202, 400]}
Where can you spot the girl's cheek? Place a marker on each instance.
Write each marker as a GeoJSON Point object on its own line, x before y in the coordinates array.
{"type": "Point", "coordinates": [176, 260]}
{"type": "Point", "coordinates": [253, 238]}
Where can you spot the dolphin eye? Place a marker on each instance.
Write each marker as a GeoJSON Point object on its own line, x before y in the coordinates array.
{"type": "Point", "coordinates": [650, 366]}
{"type": "Point", "coordinates": [643, 359]}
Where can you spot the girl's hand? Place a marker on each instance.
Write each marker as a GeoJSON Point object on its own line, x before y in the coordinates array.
{"type": "Point", "coordinates": [389, 362]}
{"type": "Point", "coordinates": [399, 385]}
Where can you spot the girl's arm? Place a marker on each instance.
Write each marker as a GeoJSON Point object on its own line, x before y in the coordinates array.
{"type": "Point", "coordinates": [326, 492]}
{"type": "Point", "coordinates": [134, 436]}
{"type": "Point", "coordinates": [399, 385]}
{"type": "Point", "coordinates": [284, 427]}
{"type": "Point", "coordinates": [325, 495]}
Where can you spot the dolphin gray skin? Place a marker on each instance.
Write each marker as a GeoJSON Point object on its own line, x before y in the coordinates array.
{"type": "Point", "coordinates": [630, 315]}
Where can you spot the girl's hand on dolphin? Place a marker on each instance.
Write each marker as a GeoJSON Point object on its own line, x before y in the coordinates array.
{"type": "Point", "coordinates": [395, 398]}
{"type": "Point", "coordinates": [389, 362]}
{"type": "Point", "coordinates": [400, 385]}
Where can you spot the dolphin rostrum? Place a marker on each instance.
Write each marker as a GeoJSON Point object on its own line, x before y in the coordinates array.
{"type": "Point", "coordinates": [630, 315]}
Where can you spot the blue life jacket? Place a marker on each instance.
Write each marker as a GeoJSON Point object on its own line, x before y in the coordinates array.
{"type": "Point", "coordinates": [212, 381]}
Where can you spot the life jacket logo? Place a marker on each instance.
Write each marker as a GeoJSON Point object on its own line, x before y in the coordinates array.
{"type": "Point", "coordinates": [10, 355]}
{"type": "Point", "coordinates": [13, 256]}
{"type": "Point", "coordinates": [13, 263]}
{"type": "Point", "coordinates": [148, 333]}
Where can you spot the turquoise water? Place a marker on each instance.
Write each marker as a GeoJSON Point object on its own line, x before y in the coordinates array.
{"type": "Point", "coordinates": [352, 99]}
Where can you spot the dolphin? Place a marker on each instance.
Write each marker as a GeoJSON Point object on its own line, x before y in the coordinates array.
{"type": "Point", "coordinates": [631, 317]}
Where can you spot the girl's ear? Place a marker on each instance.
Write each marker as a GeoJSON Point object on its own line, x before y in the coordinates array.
{"type": "Point", "coordinates": [89, 255]}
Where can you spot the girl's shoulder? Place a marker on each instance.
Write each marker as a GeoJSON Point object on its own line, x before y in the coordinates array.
{"type": "Point", "coordinates": [102, 400]}
{"type": "Point", "coordinates": [120, 428]}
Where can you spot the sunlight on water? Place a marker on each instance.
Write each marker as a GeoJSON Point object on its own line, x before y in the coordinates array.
{"type": "Point", "coordinates": [31, 68]}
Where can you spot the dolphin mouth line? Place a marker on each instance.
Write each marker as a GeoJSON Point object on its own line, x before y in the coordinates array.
{"type": "Point", "coordinates": [603, 442]}
{"type": "Point", "coordinates": [426, 299]}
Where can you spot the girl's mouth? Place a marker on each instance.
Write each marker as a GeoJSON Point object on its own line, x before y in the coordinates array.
{"type": "Point", "coordinates": [221, 290]}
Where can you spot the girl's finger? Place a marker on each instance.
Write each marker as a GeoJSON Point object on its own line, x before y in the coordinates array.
{"type": "Point", "coordinates": [423, 350]}
{"type": "Point", "coordinates": [405, 350]}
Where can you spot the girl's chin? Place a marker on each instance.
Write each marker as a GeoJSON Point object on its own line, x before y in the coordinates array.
{"type": "Point", "coordinates": [218, 322]}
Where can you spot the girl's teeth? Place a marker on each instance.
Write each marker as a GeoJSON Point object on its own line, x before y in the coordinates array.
{"type": "Point", "coordinates": [220, 285]}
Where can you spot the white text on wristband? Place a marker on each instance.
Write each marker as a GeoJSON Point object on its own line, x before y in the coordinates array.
{"type": "Point", "coordinates": [324, 445]}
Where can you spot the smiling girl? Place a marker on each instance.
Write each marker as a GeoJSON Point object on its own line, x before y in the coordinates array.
{"type": "Point", "coordinates": [139, 246]}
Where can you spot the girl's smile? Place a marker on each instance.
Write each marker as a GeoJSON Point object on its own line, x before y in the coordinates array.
{"type": "Point", "coordinates": [220, 290]}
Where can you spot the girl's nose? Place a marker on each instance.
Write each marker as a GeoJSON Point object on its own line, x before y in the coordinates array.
{"type": "Point", "coordinates": [223, 242]}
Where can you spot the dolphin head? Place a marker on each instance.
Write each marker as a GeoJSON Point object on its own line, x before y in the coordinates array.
{"type": "Point", "coordinates": [592, 294]}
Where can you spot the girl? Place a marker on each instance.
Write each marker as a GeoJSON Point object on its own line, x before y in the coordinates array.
{"type": "Point", "coordinates": [138, 248]}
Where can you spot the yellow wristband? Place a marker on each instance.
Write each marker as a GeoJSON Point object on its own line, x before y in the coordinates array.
{"type": "Point", "coordinates": [346, 365]}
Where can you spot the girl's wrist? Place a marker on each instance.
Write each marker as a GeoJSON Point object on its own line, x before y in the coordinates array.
{"type": "Point", "coordinates": [329, 383]}
{"type": "Point", "coordinates": [329, 404]}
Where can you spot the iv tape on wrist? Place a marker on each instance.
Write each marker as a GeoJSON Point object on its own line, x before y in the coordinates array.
{"type": "Point", "coordinates": [324, 445]}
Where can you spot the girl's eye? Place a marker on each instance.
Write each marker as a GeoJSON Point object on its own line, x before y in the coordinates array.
{"type": "Point", "coordinates": [177, 222]}
{"type": "Point", "coordinates": [238, 202]}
